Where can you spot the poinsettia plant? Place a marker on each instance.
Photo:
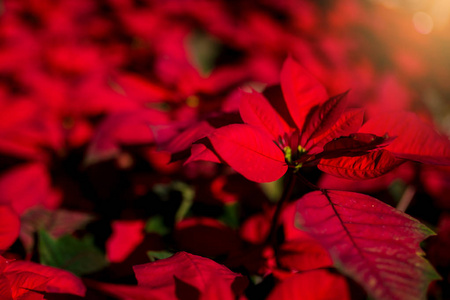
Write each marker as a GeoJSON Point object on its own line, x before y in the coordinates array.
{"type": "Point", "coordinates": [281, 183]}
{"type": "Point", "coordinates": [368, 240]}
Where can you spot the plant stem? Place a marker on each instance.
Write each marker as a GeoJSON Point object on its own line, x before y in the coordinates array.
{"type": "Point", "coordinates": [309, 184]}
{"type": "Point", "coordinates": [287, 191]}
{"type": "Point", "coordinates": [407, 196]}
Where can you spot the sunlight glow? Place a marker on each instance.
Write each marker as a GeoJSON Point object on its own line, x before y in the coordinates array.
{"type": "Point", "coordinates": [423, 22]}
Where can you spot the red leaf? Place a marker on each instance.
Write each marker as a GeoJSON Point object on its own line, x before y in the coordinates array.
{"type": "Point", "coordinates": [370, 241]}
{"type": "Point", "coordinates": [126, 236]}
{"type": "Point", "coordinates": [415, 140]}
{"type": "Point", "coordinates": [256, 110]}
{"type": "Point", "coordinates": [367, 166]}
{"type": "Point", "coordinates": [255, 228]}
{"type": "Point", "coordinates": [26, 186]}
{"type": "Point", "coordinates": [192, 270]}
{"type": "Point", "coordinates": [9, 227]}
{"type": "Point", "coordinates": [355, 143]}
{"type": "Point", "coordinates": [201, 152]}
{"type": "Point", "coordinates": [123, 129]}
{"type": "Point", "coordinates": [301, 91]}
{"type": "Point", "coordinates": [56, 280]}
{"type": "Point", "coordinates": [193, 133]}
{"type": "Point", "coordinates": [348, 123]}
{"type": "Point", "coordinates": [22, 285]}
{"type": "Point", "coordinates": [321, 119]}
{"type": "Point", "coordinates": [313, 285]}
{"type": "Point", "coordinates": [249, 151]}
{"type": "Point", "coordinates": [404, 172]}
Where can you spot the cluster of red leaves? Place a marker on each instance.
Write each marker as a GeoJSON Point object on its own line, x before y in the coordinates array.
{"type": "Point", "coordinates": [97, 97]}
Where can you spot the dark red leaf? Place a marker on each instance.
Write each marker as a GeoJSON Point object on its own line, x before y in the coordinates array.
{"type": "Point", "coordinates": [122, 291]}
{"type": "Point", "coordinates": [415, 140]}
{"type": "Point", "coordinates": [370, 241]}
{"type": "Point", "coordinates": [205, 236]}
{"type": "Point", "coordinates": [323, 118]}
{"type": "Point", "coordinates": [355, 143]}
{"type": "Point", "coordinates": [366, 166]}
{"type": "Point", "coordinates": [348, 123]}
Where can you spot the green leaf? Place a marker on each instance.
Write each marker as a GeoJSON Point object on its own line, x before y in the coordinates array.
{"type": "Point", "coordinates": [396, 189]}
{"type": "Point", "coordinates": [156, 225]}
{"type": "Point", "coordinates": [203, 50]}
{"type": "Point", "coordinates": [156, 255]}
{"type": "Point", "coordinates": [273, 190]}
{"type": "Point", "coordinates": [230, 215]}
{"type": "Point", "coordinates": [78, 256]}
{"type": "Point", "coordinates": [56, 222]}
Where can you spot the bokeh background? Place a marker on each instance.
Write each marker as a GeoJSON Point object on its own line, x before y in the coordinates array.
{"type": "Point", "coordinates": [85, 85]}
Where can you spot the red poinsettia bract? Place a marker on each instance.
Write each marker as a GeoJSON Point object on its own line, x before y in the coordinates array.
{"type": "Point", "coordinates": [314, 129]}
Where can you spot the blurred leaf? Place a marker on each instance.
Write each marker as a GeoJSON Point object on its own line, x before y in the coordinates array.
{"type": "Point", "coordinates": [156, 225]}
{"type": "Point", "coordinates": [203, 50]}
{"type": "Point", "coordinates": [155, 255]}
{"type": "Point", "coordinates": [231, 215]}
{"type": "Point", "coordinates": [56, 222]}
{"type": "Point", "coordinates": [273, 190]}
{"type": "Point", "coordinates": [78, 256]}
{"type": "Point", "coordinates": [396, 189]}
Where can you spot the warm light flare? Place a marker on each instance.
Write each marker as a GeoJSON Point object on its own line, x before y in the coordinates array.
{"type": "Point", "coordinates": [423, 23]}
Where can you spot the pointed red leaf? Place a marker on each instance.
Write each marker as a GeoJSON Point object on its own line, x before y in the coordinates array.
{"type": "Point", "coordinates": [57, 280]}
{"type": "Point", "coordinates": [126, 236]}
{"type": "Point", "coordinates": [415, 140]}
{"type": "Point", "coordinates": [249, 151]}
{"type": "Point", "coordinates": [256, 110]}
{"type": "Point", "coordinates": [184, 139]}
{"type": "Point", "coordinates": [349, 122]}
{"type": "Point", "coordinates": [301, 90]}
{"type": "Point", "coordinates": [192, 270]}
{"type": "Point", "coordinates": [22, 285]}
{"type": "Point", "coordinates": [325, 116]}
{"type": "Point", "coordinates": [370, 241]}
{"type": "Point", "coordinates": [367, 166]}
{"type": "Point", "coordinates": [201, 152]}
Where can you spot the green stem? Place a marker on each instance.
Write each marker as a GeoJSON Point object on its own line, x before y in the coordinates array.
{"type": "Point", "coordinates": [287, 191]}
